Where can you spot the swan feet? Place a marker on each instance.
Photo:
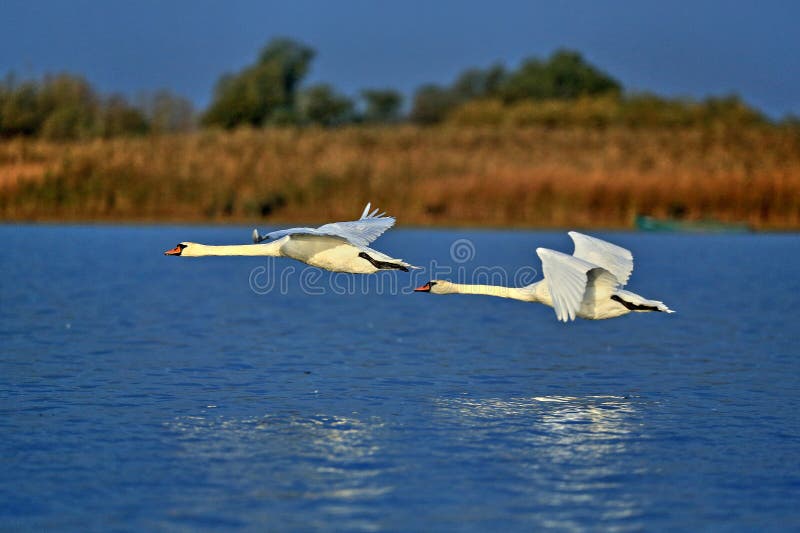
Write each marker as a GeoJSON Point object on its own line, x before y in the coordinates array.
{"type": "Point", "coordinates": [382, 265]}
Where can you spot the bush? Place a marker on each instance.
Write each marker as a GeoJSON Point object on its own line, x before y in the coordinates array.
{"type": "Point", "coordinates": [432, 104]}
{"type": "Point", "coordinates": [642, 110]}
{"type": "Point", "coordinates": [382, 105]}
{"type": "Point", "coordinates": [320, 104]}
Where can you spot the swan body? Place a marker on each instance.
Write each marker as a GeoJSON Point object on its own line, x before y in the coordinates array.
{"type": "Point", "coordinates": [338, 247]}
{"type": "Point", "coordinates": [587, 284]}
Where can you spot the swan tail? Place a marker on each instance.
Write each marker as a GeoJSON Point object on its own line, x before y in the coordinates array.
{"type": "Point", "coordinates": [634, 302]}
{"type": "Point", "coordinates": [408, 266]}
{"type": "Point", "coordinates": [385, 262]}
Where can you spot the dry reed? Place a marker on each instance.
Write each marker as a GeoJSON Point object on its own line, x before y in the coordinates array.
{"type": "Point", "coordinates": [448, 175]}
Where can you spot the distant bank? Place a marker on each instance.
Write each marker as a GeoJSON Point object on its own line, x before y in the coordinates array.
{"type": "Point", "coordinates": [441, 175]}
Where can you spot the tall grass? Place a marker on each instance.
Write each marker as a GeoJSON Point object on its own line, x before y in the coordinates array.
{"type": "Point", "coordinates": [503, 175]}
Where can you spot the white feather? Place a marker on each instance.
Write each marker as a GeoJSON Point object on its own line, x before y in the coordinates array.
{"type": "Point", "coordinates": [359, 232]}
{"type": "Point", "coordinates": [611, 257]}
{"type": "Point", "coordinates": [567, 277]}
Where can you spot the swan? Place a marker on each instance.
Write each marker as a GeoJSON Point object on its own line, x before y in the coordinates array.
{"type": "Point", "coordinates": [338, 246]}
{"type": "Point", "coordinates": [586, 284]}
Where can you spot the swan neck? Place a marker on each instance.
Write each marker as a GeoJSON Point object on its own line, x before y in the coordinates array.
{"type": "Point", "coordinates": [199, 250]}
{"type": "Point", "coordinates": [493, 290]}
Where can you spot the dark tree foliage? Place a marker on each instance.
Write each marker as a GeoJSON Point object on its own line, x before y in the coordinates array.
{"type": "Point", "coordinates": [432, 103]}
{"type": "Point", "coordinates": [19, 109]}
{"type": "Point", "coordinates": [69, 107]}
{"type": "Point", "coordinates": [262, 93]}
{"type": "Point", "coordinates": [381, 105]}
{"type": "Point", "coordinates": [64, 106]}
{"type": "Point", "coordinates": [321, 104]}
{"type": "Point", "coordinates": [119, 118]}
{"type": "Point", "coordinates": [478, 83]}
{"type": "Point", "coordinates": [564, 76]}
{"type": "Point", "coordinates": [294, 60]}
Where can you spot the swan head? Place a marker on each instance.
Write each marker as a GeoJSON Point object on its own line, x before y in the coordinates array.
{"type": "Point", "coordinates": [180, 249]}
{"type": "Point", "coordinates": [437, 286]}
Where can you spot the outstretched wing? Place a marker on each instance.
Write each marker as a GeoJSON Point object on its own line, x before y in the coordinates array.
{"type": "Point", "coordinates": [613, 258]}
{"type": "Point", "coordinates": [363, 231]}
{"type": "Point", "coordinates": [567, 277]}
{"type": "Point", "coordinates": [360, 232]}
{"type": "Point", "coordinates": [275, 235]}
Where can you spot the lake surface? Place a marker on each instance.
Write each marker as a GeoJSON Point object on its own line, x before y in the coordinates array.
{"type": "Point", "coordinates": [140, 392]}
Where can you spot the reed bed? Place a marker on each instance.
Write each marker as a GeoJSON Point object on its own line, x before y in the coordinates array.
{"type": "Point", "coordinates": [445, 175]}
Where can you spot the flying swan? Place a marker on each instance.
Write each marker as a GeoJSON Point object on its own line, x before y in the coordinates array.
{"type": "Point", "coordinates": [587, 284]}
{"type": "Point", "coordinates": [338, 247]}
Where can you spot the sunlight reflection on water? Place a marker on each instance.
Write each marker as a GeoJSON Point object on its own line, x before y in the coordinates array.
{"type": "Point", "coordinates": [573, 445]}
{"type": "Point", "coordinates": [333, 461]}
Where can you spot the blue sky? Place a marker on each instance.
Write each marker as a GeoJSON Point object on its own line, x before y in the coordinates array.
{"type": "Point", "coordinates": [673, 48]}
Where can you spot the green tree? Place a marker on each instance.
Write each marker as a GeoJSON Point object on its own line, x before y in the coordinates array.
{"type": "Point", "coordinates": [382, 105]}
{"type": "Point", "coordinates": [262, 92]}
{"type": "Point", "coordinates": [60, 106]}
{"type": "Point", "coordinates": [294, 60]}
{"type": "Point", "coordinates": [564, 76]}
{"type": "Point", "coordinates": [69, 106]}
{"type": "Point", "coordinates": [20, 114]}
{"type": "Point", "coordinates": [320, 104]}
{"type": "Point", "coordinates": [477, 83]}
{"type": "Point", "coordinates": [730, 110]}
{"type": "Point", "coordinates": [118, 117]}
{"type": "Point", "coordinates": [167, 112]}
{"type": "Point", "coordinates": [431, 104]}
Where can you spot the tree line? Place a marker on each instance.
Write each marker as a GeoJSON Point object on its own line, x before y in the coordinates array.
{"type": "Point", "coordinates": [66, 106]}
{"type": "Point", "coordinates": [562, 89]}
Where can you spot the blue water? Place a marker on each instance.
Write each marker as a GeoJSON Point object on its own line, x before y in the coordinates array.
{"type": "Point", "coordinates": [140, 392]}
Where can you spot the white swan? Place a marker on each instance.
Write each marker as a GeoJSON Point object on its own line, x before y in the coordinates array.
{"type": "Point", "coordinates": [587, 284]}
{"type": "Point", "coordinates": [338, 247]}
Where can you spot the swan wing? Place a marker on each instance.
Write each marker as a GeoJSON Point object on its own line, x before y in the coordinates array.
{"type": "Point", "coordinates": [275, 235]}
{"type": "Point", "coordinates": [566, 277]}
{"type": "Point", "coordinates": [359, 232]}
{"type": "Point", "coordinates": [615, 259]}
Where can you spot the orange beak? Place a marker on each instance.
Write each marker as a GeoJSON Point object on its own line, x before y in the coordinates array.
{"type": "Point", "coordinates": [175, 251]}
{"type": "Point", "coordinates": [424, 288]}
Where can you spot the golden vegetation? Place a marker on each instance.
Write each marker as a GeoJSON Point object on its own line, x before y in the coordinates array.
{"type": "Point", "coordinates": [501, 175]}
{"type": "Point", "coordinates": [636, 111]}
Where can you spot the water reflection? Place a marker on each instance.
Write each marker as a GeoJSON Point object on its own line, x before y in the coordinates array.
{"type": "Point", "coordinates": [332, 461]}
{"type": "Point", "coordinates": [564, 456]}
